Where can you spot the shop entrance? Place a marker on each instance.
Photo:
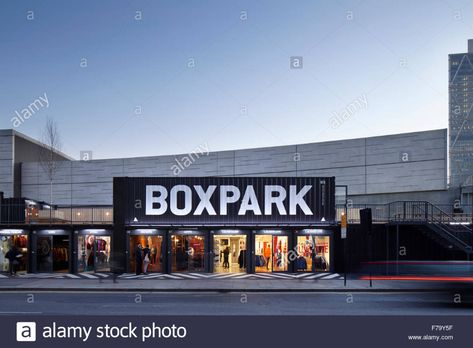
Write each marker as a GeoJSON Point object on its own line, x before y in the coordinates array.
{"type": "Point", "coordinates": [94, 253]}
{"type": "Point", "coordinates": [155, 245]}
{"type": "Point", "coordinates": [271, 252]}
{"type": "Point", "coordinates": [313, 253]}
{"type": "Point", "coordinates": [229, 253]}
{"type": "Point", "coordinates": [8, 240]}
{"type": "Point", "coordinates": [188, 251]}
{"type": "Point", "coordinates": [52, 253]}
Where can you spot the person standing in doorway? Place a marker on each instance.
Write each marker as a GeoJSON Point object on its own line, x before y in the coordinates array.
{"type": "Point", "coordinates": [146, 258]}
{"type": "Point", "coordinates": [267, 255]}
{"type": "Point", "coordinates": [13, 255]}
{"type": "Point", "coordinates": [138, 259]}
{"type": "Point", "coordinates": [154, 253]}
{"type": "Point", "coordinates": [226, 253]}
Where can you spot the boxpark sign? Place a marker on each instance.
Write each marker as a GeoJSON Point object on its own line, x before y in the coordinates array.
{"type": "Point", "coordinates": [224, 200]}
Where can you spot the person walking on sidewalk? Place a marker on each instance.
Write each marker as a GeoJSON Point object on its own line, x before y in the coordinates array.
{"type": "Point", "coordinates": [138, 259]}
{"type": "Point", "coordinates": [13, 255]}
{"type": "Point", "coordinates": [146, 258]}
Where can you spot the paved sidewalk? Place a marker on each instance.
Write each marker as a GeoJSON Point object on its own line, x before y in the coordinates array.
{"type": "Point", "coordinates": [176, 276]}
{"type": "Point", "coordinates": [226, 285]}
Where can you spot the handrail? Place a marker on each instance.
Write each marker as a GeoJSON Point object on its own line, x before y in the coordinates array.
{"type": "Point", "coordinates": [440, 223]}
{"type": "Point", "coordinates": [428, 213]}
{"type": "Point", "coordinates": [23, 214]}
{"type": "Point", "coordinates": [397, 211]}
{"type": "Point", "coordinates": [451, 235]}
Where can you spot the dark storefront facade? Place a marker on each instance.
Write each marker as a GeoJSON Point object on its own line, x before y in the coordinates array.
{"type": "Point", "coordinates": [21, 240]}
{"type": "Point", "coordinates": [52, 251]}
{"type": "Point", "coordinates": [232, 250]}
{"type": "Point", "coordinates": [221, 225]}
{"type": "Point", "coordinates": [92, 249]}
{"type": "Point", "coordinates": [225, 225]}
{"type": "Point", "coordinates": [57, 250]}
{"type": "Point", "coordinates": [229, 251]}
{"type": "Point", "coordinates": [191, 225]}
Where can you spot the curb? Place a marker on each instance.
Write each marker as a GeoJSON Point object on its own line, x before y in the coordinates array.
{"type": "Point", "coordinates": [224, 290]}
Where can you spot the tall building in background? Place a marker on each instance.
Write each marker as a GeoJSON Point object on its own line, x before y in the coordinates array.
{"type": "Point", "coordinates": [461, 120]}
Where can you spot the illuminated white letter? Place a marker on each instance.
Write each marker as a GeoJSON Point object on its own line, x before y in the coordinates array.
{"type": "Point", "coordinates": [151, 199]}
{"type": "Point", "coordinates": [278, 200]}
{"type": "Point", "coordinates": [249, 202]}
{"type": "Point", "coordinates": [297, 199]}
{"type": "Point", "coordinates": [205, 200]}
{"type": "Point", "coordinates": [187, 200]}
{"type": "Point", "coordinates": [225, 198]}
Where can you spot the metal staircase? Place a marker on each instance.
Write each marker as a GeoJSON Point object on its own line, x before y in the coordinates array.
{"type": "Point", "coordinates": [448, 231]}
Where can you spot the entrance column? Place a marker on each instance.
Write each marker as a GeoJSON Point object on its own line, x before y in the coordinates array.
{"type": "Point", "coordinates": [118, 256]}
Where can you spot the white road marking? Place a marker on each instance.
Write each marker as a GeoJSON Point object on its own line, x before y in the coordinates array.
{"type": "Point", "coordinates": [315, 276]}
{"type": "Point", "coordinates": [224, 276]}
{"type": "Point", "coordinates": [189, 276]}
{"type": "Point", "coordinates": [181, 276]}
{"type": "Point", "coordinates": [133, 277]}
{"type": "Point", "coordinates": [267, 276]}
{"type": "Point", "coordinates": [153, 276]}
{"type": "Point", "coordinates": [171, 276]}
{"type": "Point", "coordinates": [73, 276]}
{"type": "Point", "coordinates": [331, 276]}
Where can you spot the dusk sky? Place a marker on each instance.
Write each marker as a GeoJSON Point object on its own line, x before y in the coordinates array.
{"type": "Point", "coordinates": [219, 72]}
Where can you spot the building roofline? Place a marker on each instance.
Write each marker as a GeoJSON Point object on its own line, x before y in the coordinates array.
{"type": "Point", "coordinates": [231, 150]}
{"type": "Point", "coordinates": [458, 54]}
{"type": "Point", "coordinates": [15, 133]}
{"type": "Point", "coordinates": [280, 146]}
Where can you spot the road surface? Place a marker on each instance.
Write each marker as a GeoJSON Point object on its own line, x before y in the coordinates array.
{"type": "Point", "coordinates": [212, 303]}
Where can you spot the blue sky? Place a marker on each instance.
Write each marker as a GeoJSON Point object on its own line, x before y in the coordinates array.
{"type": "Point", "coordinates": [241, 92]}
